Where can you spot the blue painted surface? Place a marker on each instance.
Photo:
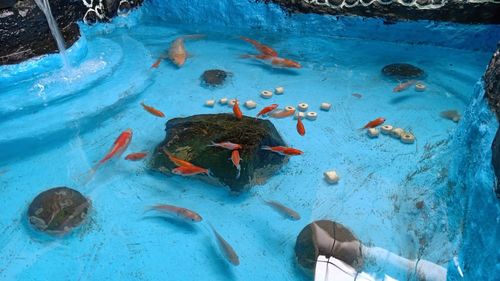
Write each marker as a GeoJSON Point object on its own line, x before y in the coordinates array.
{"type": "Point", "coordinates": [56, 124]}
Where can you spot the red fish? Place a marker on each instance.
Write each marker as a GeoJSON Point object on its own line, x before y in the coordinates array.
{"type": "Point", "coordinates": [121, 143]}
{"type": "Point", "coordinates": [227, 145]}
{"type": "Point", "coordinates": [275, 61]}
{"type": "Point", "coordinates": [136, 156]}
{"type": "Point", "coordinates": [300, 127]}
{"type": "Point", "coordinates": [235, 157]}
{"type": "Point", "coordinates": [403, 86]}
{"type": "Point", "coordinates": [374, 123]}
{"type": "Point", "coordinates": [175, 160]}
{"type": "Point", "coordinates": [189, 170]}
{"type": "Point", "coordinates": [152, 110]}
{"type": "Point", "coordinates": [267, 109]}
{"type": "Point", "coordinates": [179, 211]}
{"type": "Point", "coordinates": [283, 150]}
{"type": "Point", "coordinates": [282, 113]}
{"type": "Point", "coordinates": [237, 110]}
{"type": "Point", "coordinates": [266, 50]}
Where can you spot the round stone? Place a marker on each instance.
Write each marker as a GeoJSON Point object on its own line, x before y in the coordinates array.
{"type": "Point", "coordinates": [328, 238]}
{"type": "Point", "coordinates": [214, 77]}
{"type": "Point", "coordinates": [402, 71]}
{"type": "Point", "coordinates": [58, 210]}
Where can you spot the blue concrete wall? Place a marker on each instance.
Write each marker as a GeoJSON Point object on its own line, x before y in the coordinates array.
{"type": "Point", "coordinates": [473, 188]}
{"type": "Point", "coordinates": [247, 13]}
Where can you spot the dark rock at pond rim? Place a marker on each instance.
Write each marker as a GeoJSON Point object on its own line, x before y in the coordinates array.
{"type": "Point", "coordinates": [308, 248]}
{"type": "Point", "coordinates": [214, 77]}
{"type": "Point", "coordinates": [58, 210]}
{"type": "Point", "coordinates": [402, 71]}
{"type": "Point", "coordinates": [188, 139]}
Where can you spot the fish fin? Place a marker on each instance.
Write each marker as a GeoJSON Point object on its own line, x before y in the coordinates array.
{"type": "Point", "coordinates": [266, 147]}
{"type": "Point", "coordinates": [238, 174]}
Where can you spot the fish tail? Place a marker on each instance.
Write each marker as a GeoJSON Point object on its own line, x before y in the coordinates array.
{"type": "Point", "coordinates": [212, 143]}
{"type": "Point", "coordinates": [247, 56]}
{"type": "Point", "coordinates": [156, 64]}
{"type": "Point", "coordinates": [266, 147]}
{"type": "Point", "coordinates": [239, 173]}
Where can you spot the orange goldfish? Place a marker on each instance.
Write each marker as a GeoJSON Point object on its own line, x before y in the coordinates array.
{"type": "Point", "coordinates": [374, 123]}
{"type": "Point", "coordinates": [175, 160]}
{"type": "Point", "coordinates": [227, 145]}
{"type": "Point", "coordinates": [120, 144]}
{"type": "Point", "coordinates": [179, 211]}
{"type": "Point", "coordinates": [267, 109]}
{"type": "Point", "coordinates": [189, 170]}
{"type": "Point", "coordinates": [282, 113]}
{"type": "Point", "coordinates": [283, 150]}
{"type": "Point", "coordinates": [153, 110]}
{"type": "Point", "coordinates": [235, 157]}
{"type": "Point", "coordinates": [237, 110]}
{"type": "Point", "coordinates": [403, 86]}
{"type": "Point", "coordinates": [136, 156]}
{"type": "Point", "coordinates": [300, 127]}
{"type": "Point", "coordinates": [265, 50]}
{"type": "Point", "coordinates": [275, 61]}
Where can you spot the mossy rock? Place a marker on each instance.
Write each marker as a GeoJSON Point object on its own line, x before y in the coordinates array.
{"type": "Point", "coordinates": [214, 77]}
{"type": "Point", "coordinates": [188, 139]}
{"type": "Point", "coordinates": [403, 71]}
{"type": "Point", "coordinates": [309, 245]}
{"type": "Point", "coordinates": [58, 210]}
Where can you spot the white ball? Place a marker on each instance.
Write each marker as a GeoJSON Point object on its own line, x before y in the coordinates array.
{"type": "Point", "coordinates": [279, 90]}
{"type": "Point", "coordinates": [331, 177]}
{"type": "Point", "coordinates": [210, 103]}
{"type": "Point", "coordinates": [266, 94]}
{"type": "Point", "coordinates": [325, 106]}
{"type": "Point", "coordinates": [250, 104]}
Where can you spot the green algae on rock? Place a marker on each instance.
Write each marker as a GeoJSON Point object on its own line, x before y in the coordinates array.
{"type": "Point", "coordinates": [189, 139]}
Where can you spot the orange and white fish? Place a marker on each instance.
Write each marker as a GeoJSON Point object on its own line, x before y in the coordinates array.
{"type": "Point", "coordinates": [263, 49]}
{"type": "Point", "coordinates": [177, 52]}
{"type": "Point", "coordinates": [179, 211]}
{"type": "Point", "coordinates": [276, 62]}
{"type": "Point", "coordinates": [235, 157]}
{"type": "Point", "coordinates": [281, 113]}
{"type": "Point", "coordinates": [136, 156]}
{"type": "Point", "coordinates": [152, 110]}
{"type": "Point", "coordinates": [300, 127]}
{"type": "Point", "coordinates": [175, 160]}
{"type": "Point", "coordinates": [403, 86]}
{"type": "Point", "coordinates": [267, 109]}
{"type": "Point", "coordinates": [120, 144]}
{"type": "Point", "coordinates": [190, 170]}
{"type": "Point", "coordinates": [283, 150]}
{"type": "Point", "coordinates": [374, 123]}
{"type": "Point", "coordinates": [237, 110]}
{"type": "Point", "coordinates": [227, 145]}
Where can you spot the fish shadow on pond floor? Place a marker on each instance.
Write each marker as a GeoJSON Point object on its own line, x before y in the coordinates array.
{"type": "Point", "coordinates": [400, 99]}
{"type": "Point", "coordinates": [274, 70]}
{"type": "Point", "coordinates": [177, 223]}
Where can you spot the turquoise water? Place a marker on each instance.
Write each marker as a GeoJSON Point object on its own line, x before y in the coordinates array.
{"type": "Point", "coordinates": [57, 124]}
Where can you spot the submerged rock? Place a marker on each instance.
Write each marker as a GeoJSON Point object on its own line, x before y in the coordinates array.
{"type": "Point", "coordinates": [58, 210]}
{"type": "Point", "coordinates": [188, 139]}
{"type": "Point", "coordinates": [327, 238]}
{"type": "Point", "coordinates": [214, 77]}
{"type": "Point", "coordinates": [402, 71]}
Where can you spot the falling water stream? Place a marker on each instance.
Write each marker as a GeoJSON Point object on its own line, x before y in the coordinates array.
{"type": "Point", "coordinates": [56, 33]}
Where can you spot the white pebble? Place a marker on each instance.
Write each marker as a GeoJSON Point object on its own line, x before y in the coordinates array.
{"type": "Point", "coordinates": [266, 94]}
{"type": "Point", "coordinates": [373, 132]}
{"type": "Point", "coordinates": [325, 106]}
{"type": "Point", "coordinates": [420, 87]}
{"type": "Point", "coordinates": [298, 113]}
{"type": "Point", "coordinates": [386, 129]}
{"type": "Point", "coordinates": [331, 177]}
{"type": "Point", "coordinates": [231, 102]}
{"type": "Point", "coordinates": [210, 103]}
{"type": "Point", "coordinates": [250, 104]}
{"type": "Point", "coordinates": [223, 101]}
{"type": "Point", "coordinates": [303, 106]}
{"type": "Point", "coordinates": [407, 138]}
{"type": "Point", "coordinates": [311, 115]}
{"type": "Point", "coordinates": [279, 90]}
{"type": "Point", "coordinates": [397, 132]}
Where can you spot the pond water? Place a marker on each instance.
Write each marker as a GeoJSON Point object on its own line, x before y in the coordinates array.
{"type": "Point", "coordinates": [56, 124]}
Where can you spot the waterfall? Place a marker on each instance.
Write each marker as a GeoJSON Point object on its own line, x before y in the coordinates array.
{"type": "Point", "coordinates": [54, 29]}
